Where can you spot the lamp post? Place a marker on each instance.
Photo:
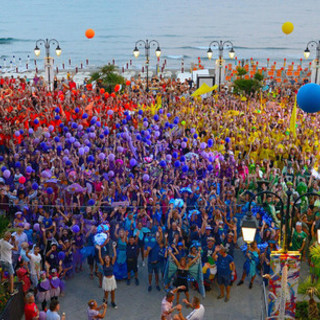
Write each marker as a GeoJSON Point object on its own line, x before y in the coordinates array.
{"type": "Point", "coordinates": [284, 265]}
{"type": "Point", "coordinates": [46, 43]}
{"type": "Point", "coordinates": [147, 45]}
{"type": "Point", "coordinates": [220, 45]}
{"type": "Point", "coordinates": [313, 44]}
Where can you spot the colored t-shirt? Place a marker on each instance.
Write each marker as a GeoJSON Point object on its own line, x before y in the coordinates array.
{"type": "Point", "coordinates": [297, 240]}
{"type": "Point", "coordinates": [223, 265]}
{"type": "Point", "coordinates": [30, 311]}
{"type": "Point", "coordinates": [92, 314]}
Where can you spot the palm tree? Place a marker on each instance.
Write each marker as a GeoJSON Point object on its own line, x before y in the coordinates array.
{"type": "Point", "coordinates": [107, 77]}
{"type": "Point", "coordinates": [312, 290]}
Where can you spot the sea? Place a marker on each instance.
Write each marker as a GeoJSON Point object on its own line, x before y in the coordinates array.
{"type": "Point", "coordinates": [183, 28]}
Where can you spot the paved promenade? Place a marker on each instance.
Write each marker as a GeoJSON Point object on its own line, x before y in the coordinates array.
{"type": "Point", "coordinates": [136, 303]}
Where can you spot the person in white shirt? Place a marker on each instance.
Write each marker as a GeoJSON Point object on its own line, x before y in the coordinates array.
{"type": "Point", "coordinates": [20, 237]}
{"type": "Point", "coordinates": [196, 314]}
{"type": "Point", "coordinates": [166, 304]}
{"type": "Point", "coordinates": [35, 266]}
{"type": "Point", "coordinates": [7, 245]}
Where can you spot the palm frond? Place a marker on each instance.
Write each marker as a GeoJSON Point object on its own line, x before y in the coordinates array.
{"type": "Point", "coordinates": [309, 288]}
{"type": "Point", "coordinates": [315, 254]}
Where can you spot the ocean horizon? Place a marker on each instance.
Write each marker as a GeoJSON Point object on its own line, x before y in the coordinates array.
{"type": "Point", "coordinates": [184, 29]}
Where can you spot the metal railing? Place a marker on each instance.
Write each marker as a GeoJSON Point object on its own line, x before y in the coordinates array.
{"type": "Point", "coordinates": [264, 304]}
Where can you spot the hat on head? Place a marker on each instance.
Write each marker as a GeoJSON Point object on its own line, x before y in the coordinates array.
{"type": "Point", "coordinates": [17, 213]}
{"type": "Point", "coordinates": [208, 228]}
{"type": "Point", "coordinates": [210, 239]}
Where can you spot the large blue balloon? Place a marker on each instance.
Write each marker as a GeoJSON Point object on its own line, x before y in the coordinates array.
{"type": "Point", "coordinates": [308, 98]}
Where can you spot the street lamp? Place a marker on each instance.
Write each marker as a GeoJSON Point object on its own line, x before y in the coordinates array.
{"type": "Point", "coordinates": [147, 44]}
{"type": "Point", "coordinates": [249, 227]}
{"type": "Point", "coordinates": [313, 44]}
{"type": "Point", "coordinates": [220, 45]}
{"type": "Point", "coordinates": [318, 231]}
{"type": "Point", "coordinates": [46, 43]}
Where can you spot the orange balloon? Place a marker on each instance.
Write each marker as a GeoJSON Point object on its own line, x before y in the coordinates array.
{"type": "Point", "coordinates": [90, 33]}
{"type": "Point", "coordinates": [113, 95]}
{"type": "Point", "coordinates": [128, 82]}
{"type": "Point", "coordinates": [117, 88]}
{"type": "Point", "coordinates": [102, 91]}
{"type": "Point", "coordinates": [106, 95]}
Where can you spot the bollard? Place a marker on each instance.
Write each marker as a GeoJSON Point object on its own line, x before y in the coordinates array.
{"type": "Point", "coordinates": [37, 70]}
{"type": "Point", "coordinates": [87, 62]}
{"type": "Point", "coordinates": [57, 70]}
{"type": "Point", "coordinates": [63, 65]}
{"type": "Point", "coordinates": [27, 66]}
{"type": "Point", "coordinates": [142, 69]}
{"type": "Point", "coordinates": [127, 65]}
{"type": "Point", "coordinates": [35, 62]}
{"type": "Point", "coordinates": [16, 70]}
{"type": "Point", "coordinates": [113, 62]}
{"type": "Point", "coordinates": [76, 69]}
{"type": "Point", "coordinates": [81, 65]}
{"type": "Point", "coordinates": [130, 62]}
{"type": "Point", "coordinates": [69, 62]}
{"type": "Point", "coordinates": [122, 69]}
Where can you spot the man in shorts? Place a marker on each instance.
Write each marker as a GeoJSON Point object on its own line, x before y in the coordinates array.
{"type": "Point", "coordinates": [7, 245]}
{"type": "Point", "coordinates": [225, 267]}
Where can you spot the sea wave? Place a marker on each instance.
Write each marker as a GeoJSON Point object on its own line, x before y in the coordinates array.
{"type": "Point", "coordinates": [176, 57]}
{"type": "Point", "coordinates": [194, 47]}
{"type": "Point", "coordinates": [10, 40]}
{"type": "Point", "coordinates": [263, 48]}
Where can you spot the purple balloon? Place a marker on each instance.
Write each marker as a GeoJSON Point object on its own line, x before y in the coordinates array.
{"type": "Point", "coordinates": [110, 112]}
{"type": "Point", "coordinates": [183, 145]}
{"type": "Point", "coordinates": [168, 157]}
{"type": "Point", "coordinates": [193, 130]}
{"type": "Point", "coordinates": [111, 173]}
{"type": "Point", "coordinates": [77, 144]}
{"type": "Point", "coordinates": [75, 228]}
{"type": "Point", "coordinates": [111, 157]}
{"type": "Point", "coordinates": [86, 149]}
{"type": "Point", "coordinates": [145, 124]}
{"type": "Point", "coordinates": [47, 135]}
{"type": "Point", "coordinates": [51, 128]}
{"type": "Point", "coordinates": [17, 133]}
{"type": "Point", "coordinates": [80, 127]}
{"type": "Point", "coordinates": [29, 169]}
{"type": "Point", "coordinates": [203, 145]}
{"type": "Point", "coordinates": [7, 174]}
{"type": "Point", "coordinates": [120, 149]}
{"type": "Point", "coordinates": [36, 140]}
{"type": "Point", "coordinates": [36, 227]}
{"type": "Point", "coordinates": [31, 131]}
{"type": "Point", "coordinates": [157, 134]}
{"type": "Point", "coordinates": [145, 177]}
{"type": "Point", "coordinates": [102, 156]}
{"type": "Point", "coordinates": [66, 151]}
{"type": "Point", "coordinates": [68, 135]}
{"type": "Point", "coordinates": [133, 162]}
{"type": "Point", "coordinates": [81, 151]}
{"type": "Point", "coordinates": [72, 139]}
{"type": "Point", "coordinates": [42, 315]}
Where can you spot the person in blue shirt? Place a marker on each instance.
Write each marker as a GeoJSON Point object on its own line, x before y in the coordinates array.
{"type": "Point", "coordinates": [152, 253]}
{"type": "Point", "coordinates": [225, 268]}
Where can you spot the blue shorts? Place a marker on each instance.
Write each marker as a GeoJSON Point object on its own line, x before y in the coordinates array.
{"type": "Point", "coordinates": [224, 280]}
{"type": "Point", "coordinates": [153, 267]}
{"type": "Point", "coordinates": [6, 266]}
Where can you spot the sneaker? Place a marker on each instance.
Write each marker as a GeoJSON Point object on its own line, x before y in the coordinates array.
{"type": "Point", "coordinates": [14, 292]}
{"type": "Point", "coordinates": [240, 283]}
{"type": "Point", "coordinates": [114, 305]}
{"type": "Point", "coordinates": [250, 285]}
{"type": "Point", "coordinates": [158, 288]}
{"type": "Point", "coordinates": [136, 281]}
{"type": "Point", "coordinates": [149, 288]}
{"type": "Point", "coordinates": [226, 299]}
{"type": "Point", "coordinates": [220, 297]}
{"type": "Point", "coordinates": [128, 282]}
{"type": "Point", "coordinates": [104, 301]}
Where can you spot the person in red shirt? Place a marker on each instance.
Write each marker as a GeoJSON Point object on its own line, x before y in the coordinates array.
{"type": "Point", "coordinates": [31, 311]}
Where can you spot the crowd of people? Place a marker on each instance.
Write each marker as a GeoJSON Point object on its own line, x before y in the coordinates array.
{"type": "Point", "coordinates": [159, 178]}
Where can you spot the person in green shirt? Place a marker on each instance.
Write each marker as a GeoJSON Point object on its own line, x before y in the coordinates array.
{"type": "Point", "coordinates": [298, 238]}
